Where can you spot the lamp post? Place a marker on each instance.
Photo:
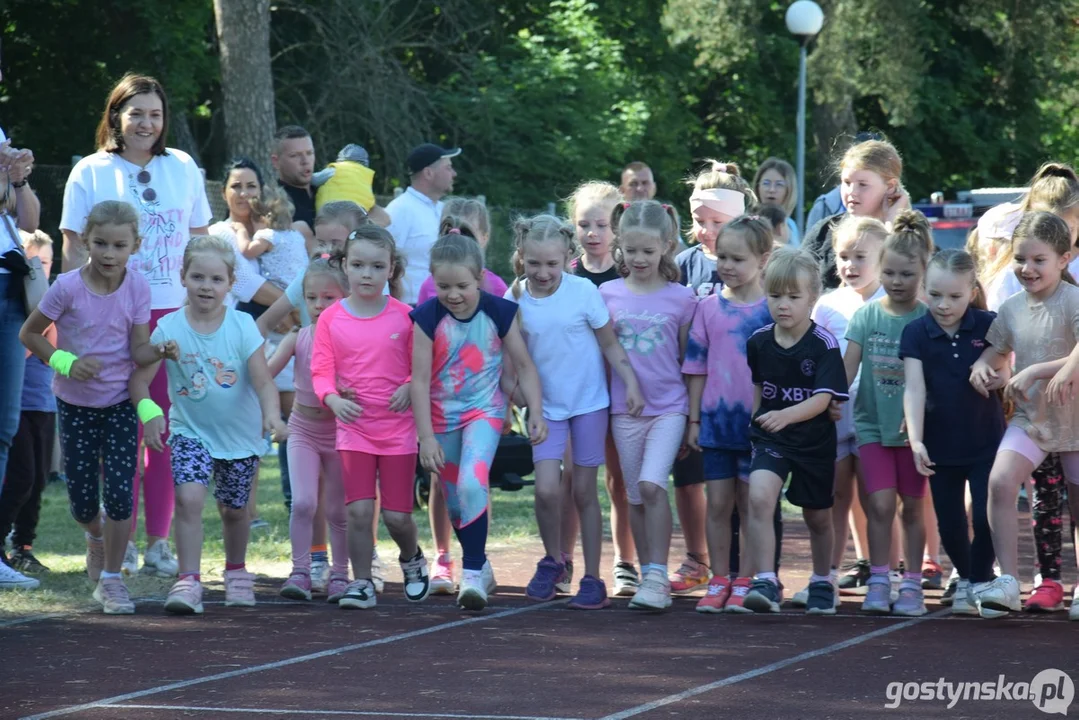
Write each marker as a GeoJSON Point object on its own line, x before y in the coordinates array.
{"type": "Point", "coordinates": [804, 20]}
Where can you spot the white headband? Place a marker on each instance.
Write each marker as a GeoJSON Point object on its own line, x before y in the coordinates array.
{"type": "Point", "coordinates": [728, 202]}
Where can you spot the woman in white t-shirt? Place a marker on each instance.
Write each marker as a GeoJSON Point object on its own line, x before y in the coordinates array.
{"type": "Point", "coordinates": [167, 189]}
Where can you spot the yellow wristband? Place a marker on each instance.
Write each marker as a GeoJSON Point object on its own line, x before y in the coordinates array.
{"type": "Point", "coordinates": [147, 410]}
{"type": "Point", "coordinates": [61, 361]}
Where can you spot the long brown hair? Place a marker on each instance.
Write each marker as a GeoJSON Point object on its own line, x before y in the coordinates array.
{"type": "Point", "coordinates": [380, 238]}
{"type": "Point", "coordinates": [109, 136]}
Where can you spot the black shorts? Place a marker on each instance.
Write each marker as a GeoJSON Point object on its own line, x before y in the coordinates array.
{"type": "Point", "coordinates": [812, 480]}
{"type": "Point", "coordinates": [689, 470]}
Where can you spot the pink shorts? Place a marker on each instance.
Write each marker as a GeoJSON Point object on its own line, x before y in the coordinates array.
{"type": "Point", "coordinates": [1017, 440]}
{"type": "Point", "coordinates": [395, 475]}
{"type": "Point", "coordinates": [647, 447]}
{"type": "Point", "coordinates": [589, 433]}
{"type": "Point", "coordinates": [891, 468]}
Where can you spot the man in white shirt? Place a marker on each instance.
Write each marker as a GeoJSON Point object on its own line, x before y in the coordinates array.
{"type": "Point", "coordinates": [416, 213]}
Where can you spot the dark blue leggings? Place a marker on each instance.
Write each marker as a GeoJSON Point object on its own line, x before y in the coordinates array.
{"type": "Point", "coordinates": [972, 560]}
{"type": "Point", "coordinates": [96, 439]}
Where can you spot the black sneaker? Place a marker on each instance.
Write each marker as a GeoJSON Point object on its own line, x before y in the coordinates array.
{"type": "Point", "coordinates": [24, 561]}
{"type": "Point", "coordinates": [822, 598]}
{"type": "Point", "coordinates": [417, 579]}
{"type": "Point", "coordinates": [856, 579]}
{"type": "Point", "coordinates": [763, 597]}
{"type": "Point", "coordinates": [949, 592]}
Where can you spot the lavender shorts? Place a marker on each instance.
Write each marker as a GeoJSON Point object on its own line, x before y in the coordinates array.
{"type": "Point", "coordinates": [589, 433]}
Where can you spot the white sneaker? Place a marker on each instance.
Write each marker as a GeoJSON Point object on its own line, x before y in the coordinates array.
{"type": "Point", "coordinates": [113, 596]}
{"type": "Point", "coordinates": [131, 560]}
{"type": "Point", "coordinates": [158, 560]}
{"type": "Point", "coordinates": [963, 602]}
{"type": "Point", "coordinates": [802, 597]}
{"type": "Point", "coordinates": [1073, 611]}
{"type": "Point", "coordinates": [489, 582]}
{"type": "Point", "coordinates": [896, 579]}
{"type": "Point", "coordinates": [378, 576]}
{"type": "Point", "coordinates": [11, 579]}
{"type": "Point", "coordinates": [654, 592]}
{"type": "Point", "coordinates": [320, 576]}
{"type": "Point", "coordinates": [473, 595]}
{"type": "Point", "coordinates": [998, 598]}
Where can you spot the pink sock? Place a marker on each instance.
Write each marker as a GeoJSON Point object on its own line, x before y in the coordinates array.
{"type": "Point", "coordinates": [194, 576]}
{"type": "Point", "coordinates": [913, 577]}
{"type": "Point", "coordinates": [234, 566]}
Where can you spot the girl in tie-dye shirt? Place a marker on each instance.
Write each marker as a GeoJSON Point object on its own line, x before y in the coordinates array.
{"type": "Point", "coordinates": [456, 398]}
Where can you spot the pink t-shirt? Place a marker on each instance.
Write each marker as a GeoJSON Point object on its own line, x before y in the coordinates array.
{"type": "Point", "coordinates": [373, 357]}
{"type": "Point", "coordinates": [98, 326]}
{"type": "Point", "coordinates": [491, 283]}
{"type": "Point", "coordinates": [648, 327]}
{"type": "Point", "coordinates": [301, 374]}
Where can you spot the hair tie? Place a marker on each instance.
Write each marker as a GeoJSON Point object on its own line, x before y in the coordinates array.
{"type": "Point", "coordinates": [454, 231]}
{"type": "Point", "coordinates": [625, 206]}
{"type": "Point", "coordinates": [325, 256]}
{"type": "Point", "coordinates": [665, 206]}
{"type": "Point", "coordinates": [754, 217]}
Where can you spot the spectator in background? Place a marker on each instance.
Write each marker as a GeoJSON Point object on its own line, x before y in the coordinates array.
{"type": "Point", "coordinates": [168, 192]}
{"type": "Point", "coordinates": [31, 452]}
{"type": "Point", "coordinates": [777, 219]}
{"type": "Point", "coordinates": [775, 183]}
{"type": "Point", "coordinates": [831, 202]}
{"type": "Point", "coordinates": [638, 182]}
{"type": "Point", "coordinates": [293, 159]}
{"type": "Point", "coordinates": [350, 178]}
{"type": "Point", "coordinates": [416, 213]}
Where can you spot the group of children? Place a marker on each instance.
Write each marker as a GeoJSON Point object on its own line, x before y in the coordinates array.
{"type": "Point", "coordinates": [726, 362]}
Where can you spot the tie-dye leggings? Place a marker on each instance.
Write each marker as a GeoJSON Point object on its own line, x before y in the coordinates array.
{"type": "Point", "coordinates": [469, 452]}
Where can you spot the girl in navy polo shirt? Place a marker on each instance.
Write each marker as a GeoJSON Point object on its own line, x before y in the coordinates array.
{"type": "Point", "coordinates": [953, 430]}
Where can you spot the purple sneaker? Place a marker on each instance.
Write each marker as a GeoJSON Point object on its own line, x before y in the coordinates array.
{"type": "Point", "coordinates": [542, 586]}
{"type": "Point", "coordinates": [337, 587]}
{"type": "Point", "coordinates": [298, 586]}
{"type": "Point", "coordinates": [878, 596]}
{"type": "Point", "coordinates": [592, 595]}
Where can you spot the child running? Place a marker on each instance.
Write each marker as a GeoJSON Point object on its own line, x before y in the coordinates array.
{"type": "Point", "coordinates": [568, 331]}
{"type": "Point", "coordinates": [652, 313]}
{"type": "Point", "coordinates": [721, 394]}
{"type": "Point", "coordinates": [1040, 325]}
{"type": "Point", "coordinates": [223, 400]}
{"type": "Point", "coordinates": [102, 317]}
{"type": "Point", "coordinates": [889, 470]}
{"type": "Point", "coordinates": [797, 371]}
{"type": "Point", "coordinates": [857, 241]}
{"type": "Point", "coordinates": [314, 463]}
{"type": "Point", "coordinates": [953, 430]}
{"type": "Point", "coordinates": [376, 435]}
{"type": "Point", "coordinates": [457, 350]}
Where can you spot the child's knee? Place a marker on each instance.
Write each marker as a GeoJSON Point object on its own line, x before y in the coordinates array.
{"type": "Point", "coordinates": [84, 513]}
{"type": "Point", "coordinates": [818, 521]}
{"type": "Point", "coordinates": [398, 522]}
{"type": "Point", "coordinates": [233, 514]}
{"type": "Point", "coordinates": [652, 493]}
{"type": "Point", "coordinates": [548, 493]}
{"type": "Point", "coordinates": [361, 512]}
{"type": "Point", "coordinates": [118, 509]}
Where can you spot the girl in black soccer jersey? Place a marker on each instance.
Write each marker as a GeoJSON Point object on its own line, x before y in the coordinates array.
{"type": "Point", "coordinates": [797, 371]}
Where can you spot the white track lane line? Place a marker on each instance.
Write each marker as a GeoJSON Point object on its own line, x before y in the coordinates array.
{"type": "Point", "coordinates": [335, 713]}
{"type": "Point", "coordinates": [766, 669]}
{"type": "Point", "coordinates": [105, 702]}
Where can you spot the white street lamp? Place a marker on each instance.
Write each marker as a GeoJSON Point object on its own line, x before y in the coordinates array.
{"type": "Point", "coordinates": [804, 20]}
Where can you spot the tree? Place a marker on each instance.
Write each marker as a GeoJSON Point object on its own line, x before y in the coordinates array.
{"type": "Point", "coordinates": [243, 37]}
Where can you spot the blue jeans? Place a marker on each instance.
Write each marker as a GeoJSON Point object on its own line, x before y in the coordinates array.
{"type": "Point", "coordinates": [12, 363]}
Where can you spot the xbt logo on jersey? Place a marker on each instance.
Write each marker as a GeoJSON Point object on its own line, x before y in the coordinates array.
{"type": "Point", "coordinates": [770, 391]}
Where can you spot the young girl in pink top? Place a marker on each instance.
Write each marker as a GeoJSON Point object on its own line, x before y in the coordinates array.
{"type": "Point", "coordinates": [360, 368]}
{"type": "Point", "coordinates": [312, 449]}
{"type": "Point", "coordinates": [102, 314]}
{"type": "Point", "coordinates": [652, 315]}
{"type": "Point", "coordinates": [470, 216]}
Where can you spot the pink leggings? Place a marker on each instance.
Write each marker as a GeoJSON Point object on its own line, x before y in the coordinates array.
{"type": "Point", "coordinates": [160, 497]}
{"type": "Point", "coordinates": [311, 453]}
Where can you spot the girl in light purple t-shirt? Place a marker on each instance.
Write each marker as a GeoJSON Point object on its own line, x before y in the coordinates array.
{"type": "Point", "coordinates": [652, 315]}
{"type": "Point", "coordinates": [102, 315]}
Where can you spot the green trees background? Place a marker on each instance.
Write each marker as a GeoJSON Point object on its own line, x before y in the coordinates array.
{"type": "Point", "coordinates": [543, 95]}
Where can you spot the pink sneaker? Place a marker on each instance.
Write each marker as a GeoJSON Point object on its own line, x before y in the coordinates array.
{"type": "Point", "coordinates": [239, 588]}
{"type": "Point", "coordinates": [298, 586]}
{"type": "Point", "coordinates": [185, 597]}
{"type": "Point", "coordinates": [95, 557]}
{"type": "Point", "coordinates": [337, 587]}
{"type": "Point", "coordinates": [113, 596]}
{"type": "Point", "coordinates": [442, 577]}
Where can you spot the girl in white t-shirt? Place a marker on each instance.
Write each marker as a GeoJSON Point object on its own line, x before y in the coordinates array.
{"type": "Point", "coordinates": [856, 242]}
{"type": "Point", "coordinates": [168, 191]}
{"type": "Point", "coordinates": [281, 250]}
{"type": "Point", "coordinates": [568, 331]}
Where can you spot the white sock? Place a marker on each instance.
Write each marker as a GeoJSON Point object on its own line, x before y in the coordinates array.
{"type": "Point", "coordinates": [106, 574]}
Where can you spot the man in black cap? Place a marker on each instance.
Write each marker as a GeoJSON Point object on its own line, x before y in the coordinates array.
{"type": "Point", "coordinates": [416, 213]}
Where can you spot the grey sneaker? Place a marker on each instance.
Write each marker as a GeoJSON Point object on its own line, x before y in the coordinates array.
{"type": "Point", "coordinates": [963, 600]}
{"type": "Point", "coordinates": [378, 577]}
{"type": "Point", "coordinates": [878, 596]}
{"type": "Point", "coordinates": [654, 592]}
{"type": "Point", "coordinates": [822, 599]}
{"type": "Point", "coordinates": [911, 602]}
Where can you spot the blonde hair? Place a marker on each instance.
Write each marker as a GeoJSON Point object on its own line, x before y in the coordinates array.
{"type": "Point", "coordinates": [602, 194]}
{"type": "Point", "coordinates": [651, 217]}
{"type": "Point", "coordinates": [783, 168]}
{"type": "Point", "coordinates": [381, 238]}
{"type": "Point", "coordinates": [786, 267]}
{"type": "Point", "coordinates": [724, 176]}
{"type": "Point", "coordinates": [960, 262]}
{"type": "Point", "coordinates": [111, 212]}
{"type": "Point", "coordinates": [857, 227]}
{"type": "Point", "coordinates": [1048, 228]}
{"type": "Point", "coordinates": [878, 156]}
{"type": "Point", "coordinates": [345, 213]}
{"type": "Point", "coordinates": [457, 248]}
{"type": "Point", "coordinates": [274, 203]}
{"type": "Point", "coordinates": [326, 264]}
{"type": "Point", "coordinates": [910, 237]}
{"type": "Point", "coordinates": [210, 245]}
{"type": "Point", "coordinates": [541, 228]}
{"type": "Point", "coordinates": [461, 210]}
{"type": "Point", "coordinates": [754, 229]}
{"type": "Point", "coordinates": [37, 239]}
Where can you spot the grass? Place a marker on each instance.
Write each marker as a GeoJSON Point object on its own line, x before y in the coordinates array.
{"type": "Point", "coordinates": [62, 548]}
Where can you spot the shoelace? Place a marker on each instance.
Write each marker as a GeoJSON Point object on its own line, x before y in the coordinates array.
{"type": "Point", "coordinates": [360, 587]}
{"type": "Point", "coordinates": [740, 590]}
{"type": "Point", "coordinates": [411, 571]}
{"type": "Point", "coordinates": [714, 590]}
{"type": "Point", "coordinates": [242, 582]}
{"type": "Point", "coordinates": [115, 591]}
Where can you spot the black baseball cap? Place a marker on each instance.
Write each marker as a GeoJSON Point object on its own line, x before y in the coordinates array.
{"type": "Point", "coordinates": [428, 154]}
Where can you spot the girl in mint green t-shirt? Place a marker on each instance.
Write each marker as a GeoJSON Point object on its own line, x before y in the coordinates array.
{"type": "Point", "coordinates": [888, 469]}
